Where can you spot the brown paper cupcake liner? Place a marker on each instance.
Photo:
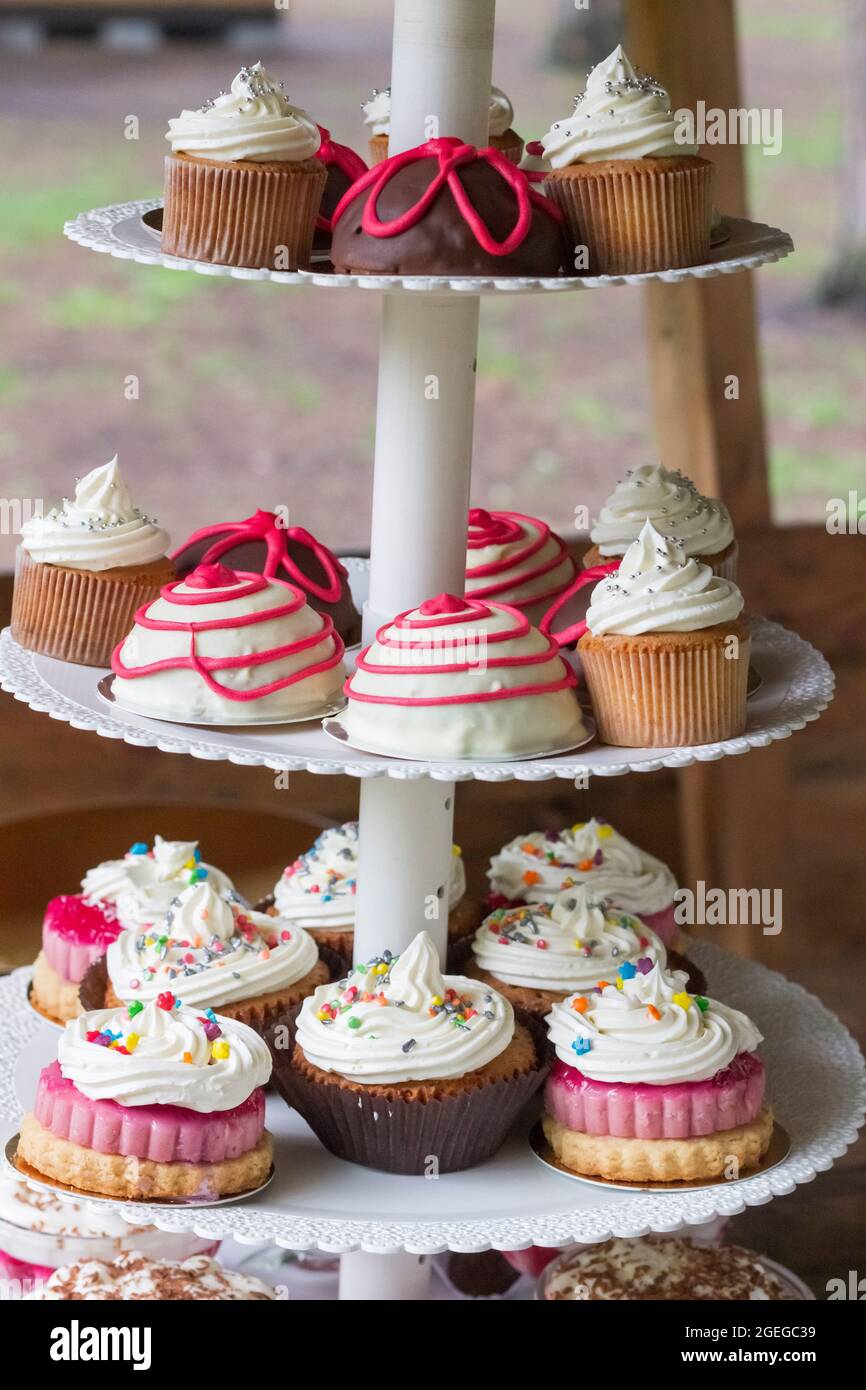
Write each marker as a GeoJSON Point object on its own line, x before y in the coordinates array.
{"type": "Point", "coordinates": [637, 215]}
{"type": "Point", "coordinates": [245, 214]}
{"type": "Point", "coordinates": [453, 1131]}
{"type": "Point", "coordinates": [80, 615]}
{"type": "Point", "coordinates": [667, 689]}
{"type": "Point", "coordinates": [259, 1013]}
{"type": "Point", "coordinates": [722, 562]}
{"type": "Point", "coordinates": [378, 146]}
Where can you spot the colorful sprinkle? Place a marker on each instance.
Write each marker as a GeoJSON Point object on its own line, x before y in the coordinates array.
{"type": "Point", "coordinates": [684, 1000]}
{"type": "Point", "coordinates": [138, 848]}
{"type": "Point", "coordinates": [653, 1012]}
{"type": "Point", "coordinates": [702, 1003]}
{"type": "Point", "coordinates": [580, 1004]}
{"type": "Point", "coordinates": [134, 1008]}
{"type": "Point", "coordinates": [582, 1045]}
{"type": "Point", "coordinates": [627, 971]}
{"type": "Point", "coordinates": [645, 965]}
{"type": "Point", "coordinates": [220, 1050]}
{"type": "Point", "coordinates": [165, 1000]}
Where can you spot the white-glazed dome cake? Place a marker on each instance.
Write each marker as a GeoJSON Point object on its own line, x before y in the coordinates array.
{"type": "Point", "coordinates": [460, 678]}
{"type": "Point", "coordinates": [516, 559]}
{"type": "Point", "coordinates": [226, 646]}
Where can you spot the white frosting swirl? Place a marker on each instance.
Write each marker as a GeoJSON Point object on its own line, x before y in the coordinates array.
{"type": "Point", "coordinates": [211, 951]}
{"type": "Point", "coordinates": [253, 121]}
{"type": "Point", "coordinates": [621, 115]}
{"type": "Point", "coordinates": [318, 889]}
{"type": "Point", "coordinates": [650, 1030]}
{"type": "Point", "coordinates": [97, 529]}
{"type": "Point", "coordinates": [672, 503]}
{"type": "Point", "coordinates": [656, 589]}
{"type": "Point", "coordinates": [554, 947]}
{"type": "Point", "coordinates": [377, 112]}
{"type": "Point", "coordinates": [538, 867]}
{"type": "Point", "coordinates": [422, 1033]}
{"type": "Point", "coordinates": [154, 1072]}
{"type": "Point", "coordinates": [142, 885]}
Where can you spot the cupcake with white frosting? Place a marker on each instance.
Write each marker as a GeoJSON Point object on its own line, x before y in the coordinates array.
{"type": "Point", "coordinates": [665, 653]}
{"type": "Point", "coordinates": [398, 1065]}
{"type": "Point", "coordinates": [700, 525]}
{"type": "Point", "coordinates": [316, 892]}
{"type": "Point", "coordinates": [216, 954]}
{"type": "Point", "coordinates": [377, 122]}
{"type": "Point", "coordinates": [84, 567]}
{"type": "Point", "coordinates": [39, 1233]}
{"type": "Point", "coordinates": [243, 185]}
{"type": "Point", "coordinates": [132, 893]}
{"type": "Point", "coordinates": [633, 192]}
{"type": "Point", "coordinates": [545, 866]}
{"type": "Point", "coordinates": [653, 1083]}
{"type": "Point", "coordinates": [152, 1101]}
{"type": "Point", "coordinates": [460, 678]}
{"type": "Point", "coordinates": [538, 954]}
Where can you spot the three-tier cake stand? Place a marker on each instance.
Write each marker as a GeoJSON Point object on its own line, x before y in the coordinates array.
{"type": "Point", "coordinates": [385, 1226]}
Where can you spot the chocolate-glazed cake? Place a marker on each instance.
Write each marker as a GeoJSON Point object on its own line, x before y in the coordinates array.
{"type": "Point", "coordinates": [260, 544]}
{"type": "Point", "coordinates": [446, 208]}
{"type": "Point", "coordinates": [344, 166]}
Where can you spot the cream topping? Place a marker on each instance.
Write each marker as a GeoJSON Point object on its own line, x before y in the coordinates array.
{"type": "Point", "coordinates": [253, 121]}
{"type": "Point", "coordinates": [133, 1277]}
{"type": "Point", "coordinates": [430, 1026]}
{"type": "Point", "coordinates": [540, 866]}
{"type": "Point", "coordinates": [622, 114]}
{"type": "Point", "coordinates": [318, 889]}
{"type": "Point", "coordinates": [701, 525]}
{"type": "Point", "coordinates": [99, 528]}
{"type": "Point", "coordinates": [656, 589]}
{"type": "Point", "coordinates": [554, 947]}
{"type": "Point", "coordinates": [171, 1057]}
{"type": "Point", "coordinates": [648, 1028]}
{"type": "Point", "coordinates": [143, 883]}
{"type": "Point", "coordinates": [212, 951]}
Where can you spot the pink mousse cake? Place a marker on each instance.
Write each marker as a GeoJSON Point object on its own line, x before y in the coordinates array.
{"type": "Point", "coordinates": [75, 933]}
{"type": "Point", "coordinates": [153, 1101]}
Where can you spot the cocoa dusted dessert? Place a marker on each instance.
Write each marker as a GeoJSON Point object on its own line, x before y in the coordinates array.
{"type": "Point", "coordinates": [447, 208]}
{"type": "Point", "coordinates": [135, 1278]}
{"type": "Point", "coordinates": [658, 1268]}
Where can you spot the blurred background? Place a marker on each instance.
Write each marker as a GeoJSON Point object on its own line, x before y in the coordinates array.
{"type": "Point", "coordinates": [247, 398]}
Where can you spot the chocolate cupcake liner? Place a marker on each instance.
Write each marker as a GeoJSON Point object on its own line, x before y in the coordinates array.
{"type": "Point", "coordinates": [405, 1136]}
{"type": "Point", "coordinates": [661, 693]}
{"type": "Point", "coordinates": [78, 615]}
{"type": "Point", "coordinates": [635, 216]}
{"type": "Point", "coordinates": [245, 214]}
{"type": "Point", "coordinates": [508, 144]}
{"type": "Point", "coordinates": [95, 984]}
{"type": "Point", "coordinates": [723, 562]}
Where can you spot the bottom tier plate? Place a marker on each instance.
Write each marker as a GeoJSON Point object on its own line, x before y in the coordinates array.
{"type": "Point", "coordinates": [817, 1083]}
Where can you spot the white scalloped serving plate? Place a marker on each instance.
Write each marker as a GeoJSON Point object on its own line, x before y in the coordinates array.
{"type": "Point", "coordinates": [121, 231]}
{"type": "Point", "coordinates": [817, 1083]}
{"type": "Point", "coordinates": [797, 685]}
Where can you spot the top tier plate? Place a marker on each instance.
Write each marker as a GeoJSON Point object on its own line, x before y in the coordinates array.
{"type": "Point", "coordinates": [125, 231]}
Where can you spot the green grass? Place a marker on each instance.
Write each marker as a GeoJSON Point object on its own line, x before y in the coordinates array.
{"type": "Point", "coordinates": [814, 472]}
{"type": "Point", "coordinates": [141, 300]}
{"type": "Point", "coordinates": [34, 216]}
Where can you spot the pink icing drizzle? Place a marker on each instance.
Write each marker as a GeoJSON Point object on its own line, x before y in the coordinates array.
{"type": "Point", "coordinates": [536, 149]}
{"type": "Point", "coordinates": [576, 630]}
{"type": "Point", "coordinates": [447, 610]}
{"type": "Point", "coordinates": [264, 526]}
{"type": "Point", "coordinates": [450, 154]}
{"type": "Point", "coordinates": [346, 160]}
{"type": "Point", "coordinates": [504, 528]}
{"type": "Point", "coordinates": [210, 579]}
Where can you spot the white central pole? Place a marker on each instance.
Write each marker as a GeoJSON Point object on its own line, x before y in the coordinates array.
{"type": "Point", "coordinates": [440, 85]}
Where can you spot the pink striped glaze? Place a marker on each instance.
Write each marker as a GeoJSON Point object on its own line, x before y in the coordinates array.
{"type": "Point", "coordinates": [679, 1110]}
{"type": "Point", "coordinates": [447, 610]}
{"type": "Point", "coordinates": [575, 630]}
{"type": "Point", "coordinates": [214, 583]}
{"type": "Point", "coordinates": [504, 528]}
{"type": "Point", "coordinates": [163, 1133]}
{"type": "Point", "coordinates": [346, 160]}
{"type": "Point", "coordinates": [75, 933]}
{"type": "Point", "coordinates": [265, 526]}
{"type": "Point", "coordinates": [450, 154]}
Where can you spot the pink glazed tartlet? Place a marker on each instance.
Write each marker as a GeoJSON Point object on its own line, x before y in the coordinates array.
{"type": "Point", "coordinates": [545, 864]}
{"type": "Point", "coordinates": [653, 1084]}
{"type": "Point", "coordinates": [152, 1101]}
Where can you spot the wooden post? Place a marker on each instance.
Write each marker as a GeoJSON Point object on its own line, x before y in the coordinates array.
{"type": "Point", "coordinates": [709, 423]}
